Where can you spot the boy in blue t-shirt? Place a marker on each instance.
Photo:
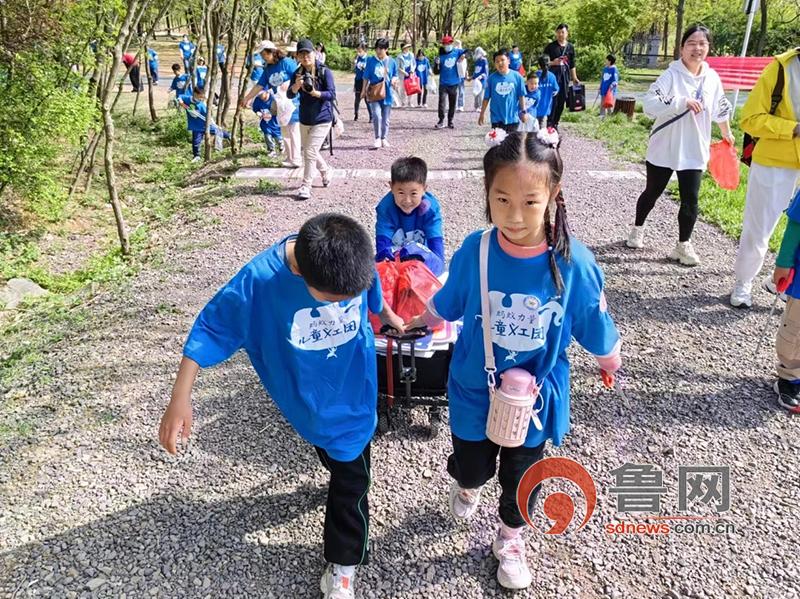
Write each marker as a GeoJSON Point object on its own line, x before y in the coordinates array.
{"type": "Point", "coordinates": [359, 67]}
{"type": "Point", "coordinates": [449, 79]}
{"type": "Point", "coordinates": [200, 73]}
{"type": "Point", "coordinates": [187, 49]}
{"type": "Point", "coordinates": [608, 81]}
{"type": "Point", "coordinates": [532, 98]}
{"type": "Point", "coordinates": [268, 123]}
{"type": "Point", "coordinates": [152, 63]}
{"type": "Point", "coordinates": [515, 60]}
{"type": "Point", "coordinates": [180, 82]}
{"type": "Point", "coordinates": [299, 310]}
{"type": "Point", "coordinates": [505, 91]}
{"type": "Point", "coordinates": [409, 219]}
{"type": "Point", "coordinates": [196, 115]}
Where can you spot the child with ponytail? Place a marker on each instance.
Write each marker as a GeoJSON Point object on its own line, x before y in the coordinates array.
{"type": "Point", "coordinates": [544, 288]}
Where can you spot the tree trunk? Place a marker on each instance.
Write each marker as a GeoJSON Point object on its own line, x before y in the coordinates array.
{"type": "Point", "coordinates": [211, 25]}
{"type": "Point", "coordinates": [676, 52]}
{"type": "Point", "coordinates": [762, 34]}
{"type": "Point", "coordinates": [665, 38]}
{"type": "Point", "coordinates": [230, 64]}
{"type": "Point", "coordinates": [244, 74]}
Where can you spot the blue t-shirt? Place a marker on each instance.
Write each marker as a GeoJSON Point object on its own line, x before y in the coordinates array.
{"type": "Point", "coordinates": [503, 93]}
{"type": "Point", "coordinates": [316, 361]}
{"type": "Point", "coordinates": [448, 70]}
{"type": "Point", "coordinates": [793, 213]}
{"type": "Point", "coordinates": [515, 58]}
{"type": "Point", "coordinates": [376, 71]}
{"type": "Point", "coordinates": [532, 99]}
{"type": "Point", "coordinates": [609, 79]}
{"type": "Point", "coordinates": [481, 69]}
{"type": "Point", "coordinates": [220, 52]}
{"type": "Point", "coordinates": [531, 329]}
{"type": "Point", "coordinates": [422, 225]}
{"type": "Point", "coordinates": [200, 74]}
{"type": "Point", "coordinates": [270, 127]}
{"type": "Point", "coordinates": [187, 49]}
{"type": "Point", "coordinates": [195, 113]}
{"type": "Point", "coordinates": [275, 75]}
{"type": "Point", "coordinates": [258, 66]}
{"type": "Point", "coordinates": [152, 56]}
{"type": "Point", "coordinates": [360, 65]}
{"type": "Point", "coordinates": [423, 68]}
{"type": "Point", "coordinates": [180, 84]}
{"type": "Point", "coordinates": [548, 87]}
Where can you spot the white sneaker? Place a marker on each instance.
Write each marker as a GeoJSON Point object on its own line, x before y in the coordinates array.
{"type": "Point", "coordinates": [335, 584]}
{"type": "Point", "coordinates": [385, 143]}
{"type": "Point", "coordinates": [463, 502]}
{"type": "Point", "coordinates": [287, 164]}
{"type": "Point", "coordinates": [377, 143]}
{"type": "Point", "coordinates": [740, 296]}
{"type": "Point", "coordinates": [460, 109]}
{"type": "Point", "coordinates": [685, 254]}
{"type": "Point", "coordinates": [326, 178]}
{"type": "Point", "coordinates": [635, 237]}
{"type": "Point", "coordinates": [513, 571]}
{"type": "Point", "coordinates": [424, 105]}
{"type": "Point", "coordinates": [196, 159]}
{"type": "Point", "coordinates": [304, 192]}
{"type": "Point", "coordinates": [769, 286]}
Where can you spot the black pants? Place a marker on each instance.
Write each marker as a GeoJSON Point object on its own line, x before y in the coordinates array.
{"type": "Point", "coordinates": [135, 75]}
{"type": "Point", "coordinates": [197, 141]}
{"type": "Point", "coordinates": [422, 97]}
{"type": "Point", "coordinates": [346, 536]}
{"type": "Point", "coordinates": [447, 93]}
{"type": "Point", "coordinates": [560, 100]}
{"type": "Point", "coordinates": [359, 86]}
{"type": "Point", "coordinates": [508, 128]}
{"type": "Point", "coordinates": [689, 190]}
{"type": "Point", "coordinates": [473, 463]}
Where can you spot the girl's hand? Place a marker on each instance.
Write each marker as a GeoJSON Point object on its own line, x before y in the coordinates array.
{"type": "Point", "coordinates": [177, 420]}
{"type": "Point", "coordinates": [416, 323]}
{"type": "Point", "coordinates": [729, 138]}
{"type": "Point", "coordinates": [780, 273]}
{"type": "Point", "coordinates": [695, 106]}
{"type": "Point", "coordinates": [388, 317]}
{"type": "Point", "coordinates": [315, 93]}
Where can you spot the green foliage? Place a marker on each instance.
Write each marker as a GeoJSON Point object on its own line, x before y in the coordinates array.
{"type": "Point", "coordinates": [172, 129]}
{"type": "Point", "coordinates": [45, 113]}
{"type": "Point", "coordinates": [267, 186]}
{"type": "Point", "coordinates": [173, 171]}
{"type": "Point", "coordinates": [607, 25]}
{"type": "Point", "coordinates": [590, 61]}
{"type": "Point", "coordinates": [339, 58]}
{"type": "Point", "coordinates": [321, 20]}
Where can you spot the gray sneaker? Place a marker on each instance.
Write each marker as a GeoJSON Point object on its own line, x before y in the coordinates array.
{"type": "Point", "coordinates": [463, 502]}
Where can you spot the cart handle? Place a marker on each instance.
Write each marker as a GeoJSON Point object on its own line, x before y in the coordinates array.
{"type": "Point", "coordinates": [390, 333]}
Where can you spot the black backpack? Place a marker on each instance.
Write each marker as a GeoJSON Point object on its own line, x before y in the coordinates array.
{"type": "Point", "coordinates": [749, 142]}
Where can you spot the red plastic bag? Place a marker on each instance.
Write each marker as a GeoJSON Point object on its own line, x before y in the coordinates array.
{"type": "Point", "coordinates": [724, 165]}
{"type": "Point", "coordinates": [415, 286]}
{"type": "Point", "coordinates": [608, 99]}
{"type": "Point", "coordinates": [412, 86]}
{"type": "Point", "coordinates": [522, 70]}
{"type": "Point", "coordinates": [407, 287]}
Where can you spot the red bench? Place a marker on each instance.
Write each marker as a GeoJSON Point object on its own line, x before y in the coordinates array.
{"type": "Point", "coordinates": [739, 72]}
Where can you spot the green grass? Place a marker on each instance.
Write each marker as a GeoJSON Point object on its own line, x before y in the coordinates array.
{"type": "Point", "coordinates": [267, 186]}
{"type": "Point", "coordinates": [627, 140]}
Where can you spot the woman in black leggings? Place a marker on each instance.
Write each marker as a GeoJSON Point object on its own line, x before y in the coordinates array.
{"type": "Point", "coordinates": [684, 101]}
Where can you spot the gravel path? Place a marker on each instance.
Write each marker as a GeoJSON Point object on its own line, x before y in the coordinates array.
{"type": "Point", "coordinates": [92, 506]}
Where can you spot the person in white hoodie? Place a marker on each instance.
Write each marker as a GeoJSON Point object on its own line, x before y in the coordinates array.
{"type": "Point", "coordinates": [684, 101]}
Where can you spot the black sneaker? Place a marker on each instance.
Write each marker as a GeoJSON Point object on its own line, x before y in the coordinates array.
{"type": "Point", "coordinates": [451, 126]}
{"type": "Point", "coordinates": [355, 118]}
{"type": "Point", "coordinates": [788, 395]}
{"type": "Point", "coordinates": [439, 125]}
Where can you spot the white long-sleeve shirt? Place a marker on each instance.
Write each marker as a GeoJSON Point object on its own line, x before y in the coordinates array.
{"type": "Point", "coordinates": [684, 144]}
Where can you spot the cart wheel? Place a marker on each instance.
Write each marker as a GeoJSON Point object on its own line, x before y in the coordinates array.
{"type": "Point", "coordinates": [383, 423]}
{"type": "Point", "coordinates": [434, 420]}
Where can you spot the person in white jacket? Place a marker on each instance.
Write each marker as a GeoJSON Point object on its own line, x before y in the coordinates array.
{"type": "Point", "coordinates": [684, 101]}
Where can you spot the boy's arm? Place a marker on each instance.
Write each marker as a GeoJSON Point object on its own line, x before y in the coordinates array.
{"type": "Point", "coordinates": [177, 418]}
{"type": "Point", "coordinates": [383, 248]}
{"type": "Point", "coordinates": [789, 245]}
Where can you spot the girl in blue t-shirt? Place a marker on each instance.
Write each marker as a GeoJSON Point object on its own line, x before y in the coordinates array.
{"type": "Point", "coordinates": [544, 289]}
{"type": "Point", "coordinates": [381, 70]}
{"type": "Point", "coordinates": [609, 80]}
{"type": "Point", "coordinates": [548, 89]}
{"type": "Point", "coordinates": [200, 74]}
{"type": "Point", "coordinates": [480, 72]}
{"type": "Point", "coordinates": [423, 72]}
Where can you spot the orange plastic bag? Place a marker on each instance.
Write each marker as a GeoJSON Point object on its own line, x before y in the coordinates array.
{"type": "Point", "coordinates": [724, 165]}
{"type": "Point", "coordinates": [608, 99]}
{"type": "Point", "coordinates": [388, 272]}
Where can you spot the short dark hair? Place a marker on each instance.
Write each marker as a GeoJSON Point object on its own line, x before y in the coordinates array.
{"type": "Point", "coordinates": [409, 170]}
{"type": "Point", "coordinates": [532, 75]}
{"type": "Point", "coordinates": [382, 43]}
{"type": "Point", "coordinates": [176, 67]}
{"type": "Point", "coordinates": [694, 29]}
{"type": "Point", "coordinates": [361, 47]}
{"type": "Point", "coordinates": [611, 58]}
{"type": "Point", "coordinates": [335, 255]}
{"type": "Point", "coordinates": [562, 26]}
{"type": "Point", "coordinates": [500, 52]}
{"type": "Point", "coordinates": [515, 46]}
